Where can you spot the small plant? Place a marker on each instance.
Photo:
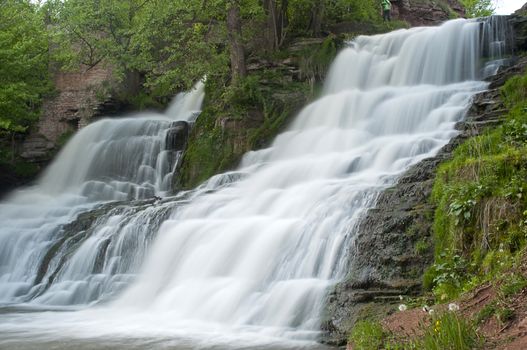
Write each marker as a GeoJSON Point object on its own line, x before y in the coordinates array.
{"type": "Point", "coordinates": [505, 314]}
{"type": "Point", "coordinates": [514, 285]}
{"type": "Point", "coordinates": [515, 131]}
{"type": "Point", "coordinates": [446, 278]}
{"type": "Point", "coordinates": [462, 210]}
{"type": "Point", "coordinates": [463, 201]}
{"type": "Point", "coordinates": [485, 313]}
{"type": "Point", "coordinates": [421, 246]}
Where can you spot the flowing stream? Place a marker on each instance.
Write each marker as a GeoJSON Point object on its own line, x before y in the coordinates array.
{"type": "Point", "coordinates": [98, 254]}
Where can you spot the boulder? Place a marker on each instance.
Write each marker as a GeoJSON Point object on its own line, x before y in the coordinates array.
{"type": "Point", "coordinates": [177, 136]}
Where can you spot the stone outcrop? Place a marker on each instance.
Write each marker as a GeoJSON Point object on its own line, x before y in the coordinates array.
{"type": "Point", "coordinates": [519, 23]}
{"type": "Point", "coordinates": [387, 257]}
{"type": "Point", "coordinates": [79, 95]}
{"type": "Point", "coordinates": [36, 148]}
{"type": "Point", "coordinates": [426, 12]}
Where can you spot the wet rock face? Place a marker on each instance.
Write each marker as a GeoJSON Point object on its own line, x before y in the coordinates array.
{"type": "Point", "coordinates": [393, 243]}
{"type": "Point", "coordinates": [519, 23]}
{"type": "Point", "coordinates": [177, 136]}
{"type": "Point", "coordinates": [386, 260]}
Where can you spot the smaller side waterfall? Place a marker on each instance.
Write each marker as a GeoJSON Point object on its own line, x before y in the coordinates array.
{"type": "Point", "coordinates": [497, 42]}
{"type": "Point", "coordinates": [130, 158]}
{"type": "Point", "coordinates": [125, 158]}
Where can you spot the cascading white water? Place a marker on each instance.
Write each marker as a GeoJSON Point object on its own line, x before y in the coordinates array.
{"type": "Point", "coordinates": [254, 251]}
{"type": "Point", "coordinates": [112, 159]}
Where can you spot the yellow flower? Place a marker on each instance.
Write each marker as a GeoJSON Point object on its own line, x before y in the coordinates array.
{"type": "Point", "coordinates": [437, 327]}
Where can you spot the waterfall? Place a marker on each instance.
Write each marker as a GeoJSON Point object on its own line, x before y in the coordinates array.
{"type": "Point", "coordinates": [244, 260]}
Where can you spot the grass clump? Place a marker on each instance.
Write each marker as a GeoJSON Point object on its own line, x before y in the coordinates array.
{"type": "Point", "coordinates": [485, 313]}
{"type": "Point", "coordinates": [367, 335]}
{"type": "Point", "coordinates": [449, 331]}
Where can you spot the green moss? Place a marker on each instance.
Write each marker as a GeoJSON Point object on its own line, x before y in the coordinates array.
{"type": "Point", "coordinates": [422, 246]}
{"type": "Point", "coordinates": [141, 100]}
{"type": "Point", "coordinates": [315, 62]}
{"type": "Point", "coordinates": [205, 154]}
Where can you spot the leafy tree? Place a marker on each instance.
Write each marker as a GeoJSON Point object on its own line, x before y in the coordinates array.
{"type": "Point", "coordinates": [311, 16]}
{"type": "Point", "coordinates": [23, 64]}
{"type": "Point", "coordinates": [89, 31]}
{"type": "Point", "coordinates": [181, 42]}
{"type": "Point", "coordinates": [478, 8]}
{"type": "Point", "coordinates": [170, 43]}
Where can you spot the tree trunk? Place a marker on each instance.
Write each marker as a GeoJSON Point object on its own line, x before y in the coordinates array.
{"type": "Point", "coordinates": [317, 15]}
{"type": "Point", "coordinates": [283, 22]}
{"type": "Point", "coordinates": [277, 21]}
{"type": "Point", "coordinates": [234, 33]}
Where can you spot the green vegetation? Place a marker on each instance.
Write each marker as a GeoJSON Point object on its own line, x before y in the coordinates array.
{"type": "Point", "coordinates": [512, 285]}
{"type": "Point", "coordinates": [10, 163]}
{"type": "Point", "coordinates": [64, 138]}
{"type": "Point", "coordinates": [448, 330]}
{"type": "Point", "coordinates": [171, 44]}
{"type": "Point", "coordinates": [368, 335]}
{"type": "Point", "coordinates": [23, 64]}
{"type": "Point", "coordinates": [478, 8]}
{"type": "Point", "coordinates": [480, 226]}
{"type": "Point", "coordinates": [485, 313]}
{"type": "Point", "coordinates": [237, 119]}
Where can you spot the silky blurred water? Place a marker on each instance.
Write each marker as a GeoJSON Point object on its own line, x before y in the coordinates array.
{"type": "Point", "coordinates": [245, 260]}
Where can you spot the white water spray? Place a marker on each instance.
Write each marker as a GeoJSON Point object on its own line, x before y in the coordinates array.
{"type": "Point", "coordinates": [257, 254]}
